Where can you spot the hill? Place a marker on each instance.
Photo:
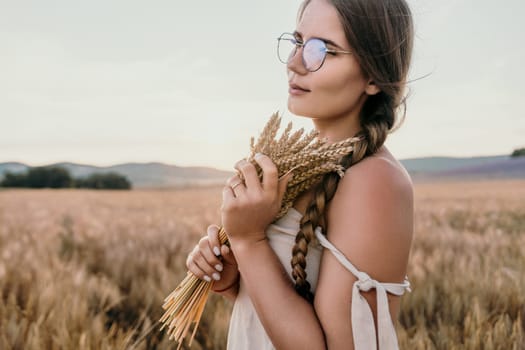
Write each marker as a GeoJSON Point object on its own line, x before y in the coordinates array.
{"type": "Point", "coordinates": [473, 168]}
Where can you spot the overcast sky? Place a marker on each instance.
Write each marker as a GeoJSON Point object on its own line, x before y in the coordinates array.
{"type": "Point", "coordinates": [188, 82]}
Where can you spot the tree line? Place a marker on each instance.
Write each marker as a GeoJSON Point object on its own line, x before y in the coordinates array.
{"type": "Point", "coordinates": [520, 152]}
{"type": "Point", "coordinates": [59, 177]}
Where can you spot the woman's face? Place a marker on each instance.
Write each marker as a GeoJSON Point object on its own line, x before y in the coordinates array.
{"type": "Point", "coordinates": [337, 89]}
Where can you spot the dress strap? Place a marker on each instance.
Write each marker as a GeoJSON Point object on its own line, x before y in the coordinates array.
{"type": "Point", "coordinates": [363, 327]}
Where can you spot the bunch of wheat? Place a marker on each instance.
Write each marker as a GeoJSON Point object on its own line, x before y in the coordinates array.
{"type": "Point", "coordinates": [309, 158]}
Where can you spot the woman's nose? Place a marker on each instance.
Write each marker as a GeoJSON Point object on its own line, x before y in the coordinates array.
{"type": "Point", "coordinates": [296, 64]}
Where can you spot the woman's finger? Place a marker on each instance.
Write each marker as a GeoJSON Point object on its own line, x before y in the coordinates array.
{"type": "Point", "coordinates": [234, 180]}
{"type": "Point", "coordinates": [283, 183]}
{"type": "Point", "coordinates": [270, 173]}
{"type": "Point", "coordinates": [213, 236]}
{"type": "Point", "coordinates": [209, 270]}
{"type": "Point", "coordinates": [207, 252]}
{"type": "Point", "coordinates": [237, 185]}
{"type": "Point", "coordinates": [227, 195]}
{"type": "Point", "coordinates": [249, 173]}
{"type": "Point", "coordinates": [195, 269]}
{"type": "Point", "coordinates": [227, 255]}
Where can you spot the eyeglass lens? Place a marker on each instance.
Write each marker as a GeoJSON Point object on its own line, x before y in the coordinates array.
{"type": "Point", "coordinates": [314, 51]}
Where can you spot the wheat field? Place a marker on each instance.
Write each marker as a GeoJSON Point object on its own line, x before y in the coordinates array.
{"type": "Point", "coordinates": [84, 269]}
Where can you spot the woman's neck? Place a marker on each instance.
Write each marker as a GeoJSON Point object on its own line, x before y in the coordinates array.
{"type": "Point", "coordinates": [336, 129]}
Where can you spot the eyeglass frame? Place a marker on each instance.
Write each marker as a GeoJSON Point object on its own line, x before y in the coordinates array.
{"type": "Point", "coordinates": [299, 44]}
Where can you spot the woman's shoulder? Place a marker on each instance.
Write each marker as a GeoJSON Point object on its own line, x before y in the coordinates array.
{"type": "Point", "coordinates": [381, 168]}
{"type": "Point", "coordinates": [379, 180]}
{"type": "Point", "coordinates": [371, 215]}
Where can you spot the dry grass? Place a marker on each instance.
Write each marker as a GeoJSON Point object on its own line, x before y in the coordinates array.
{"type": "Point", "coordinates": [84, 269]}
{"type": "Point", "coordinates": [467, 267]}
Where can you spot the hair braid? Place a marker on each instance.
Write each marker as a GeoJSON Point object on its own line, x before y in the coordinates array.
{"type": "Point", "coordinates": [314, 217]}
{"type": "Point", "coordinates": [375, 133]}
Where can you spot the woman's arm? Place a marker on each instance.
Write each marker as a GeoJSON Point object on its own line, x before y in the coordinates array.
{"type": "Point", "coordinates": [289, 320]}
{"type": "Point", "coordinates": [370, 220]}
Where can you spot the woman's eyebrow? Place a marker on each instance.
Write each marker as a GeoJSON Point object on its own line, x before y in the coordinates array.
{"type": "Point", "coordinates": [328, 41]}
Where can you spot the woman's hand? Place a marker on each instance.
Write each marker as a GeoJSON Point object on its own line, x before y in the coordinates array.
{"type": "Point", "coordinates": [212, 262]}
{"type": "Point", "coordinates": [249, 206]}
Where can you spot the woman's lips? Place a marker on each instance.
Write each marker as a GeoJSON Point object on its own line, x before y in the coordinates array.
{"type": "Point", "coordinates": [297, 90]}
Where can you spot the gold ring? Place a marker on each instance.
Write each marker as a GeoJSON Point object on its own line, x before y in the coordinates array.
{"type": "Point", "coordinates": [237, 184]}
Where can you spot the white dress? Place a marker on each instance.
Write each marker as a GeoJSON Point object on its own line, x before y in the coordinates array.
{"type": "Point", "coordinates": [246, 331]}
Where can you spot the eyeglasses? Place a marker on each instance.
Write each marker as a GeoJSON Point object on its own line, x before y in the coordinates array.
{"type": "Point", "coordinates": [314, 51]}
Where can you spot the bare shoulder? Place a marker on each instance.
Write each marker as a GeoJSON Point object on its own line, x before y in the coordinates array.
{"type": "Point", "coordinates": [370, 217]}
{"type": "Point", "coordinates": [381, 172]}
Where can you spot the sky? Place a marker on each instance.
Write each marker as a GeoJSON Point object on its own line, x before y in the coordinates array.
{"type": "Point", "coordinates": [189, 82]}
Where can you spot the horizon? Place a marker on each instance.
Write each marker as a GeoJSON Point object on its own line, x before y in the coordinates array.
{"type": "Point", "coordinates": [130, 90]}
{"type": "Point", "coordinates": [212, 167]}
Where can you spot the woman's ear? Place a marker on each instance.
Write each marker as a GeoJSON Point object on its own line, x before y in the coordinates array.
{"type": "Point", "coordinates": [371, 88]}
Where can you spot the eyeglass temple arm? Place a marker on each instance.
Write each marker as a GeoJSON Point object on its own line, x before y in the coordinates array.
{"type": "Point", "coordinates": [337, 51]}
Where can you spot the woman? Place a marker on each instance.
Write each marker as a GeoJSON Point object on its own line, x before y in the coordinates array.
{"type": "Point", "coordinates": [330, 273]}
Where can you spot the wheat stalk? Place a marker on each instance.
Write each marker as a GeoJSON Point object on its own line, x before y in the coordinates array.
{"type": "Point", "coordinates": [309, 158]}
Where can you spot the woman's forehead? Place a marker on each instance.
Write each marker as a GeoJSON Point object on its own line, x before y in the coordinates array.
{"type": "Point", "coordinates": [320, 19]}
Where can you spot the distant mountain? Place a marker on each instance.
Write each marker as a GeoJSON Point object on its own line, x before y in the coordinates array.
{"type": "Point", "coordinates": [421, 169]}
{"type": "Point", "coordinates": [435, 164]}
{"type": "Point", "coordinates": [475, 168]}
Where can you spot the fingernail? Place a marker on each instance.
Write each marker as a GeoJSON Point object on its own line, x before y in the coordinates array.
{"type": "Point", "coordinates": [216, 251]}
{"type": "Point", "coordinates": [257, 155]}
{"type": "Point", "coordinates": [216, 276]}
{"type": "Point", "coordinates": [226, 249]}
{"type": "Point", "coordinates": [218, 267]}
{"type": "Point", "coordinates": [207, 278]}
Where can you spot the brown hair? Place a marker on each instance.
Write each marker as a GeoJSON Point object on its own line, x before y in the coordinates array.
{"type": "Point", "coordinates": [380, 34]}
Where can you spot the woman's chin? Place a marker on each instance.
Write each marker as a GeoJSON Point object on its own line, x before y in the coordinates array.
{"type": "Point", "coordinates": [296, 108]}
